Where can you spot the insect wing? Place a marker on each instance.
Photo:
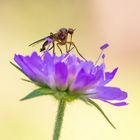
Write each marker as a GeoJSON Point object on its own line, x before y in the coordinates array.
{"type": "Point", "coordinates": [38, 41]}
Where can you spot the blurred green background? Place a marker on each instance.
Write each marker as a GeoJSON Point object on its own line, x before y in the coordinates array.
{"type": "Point", "coordinates": [96, 23]}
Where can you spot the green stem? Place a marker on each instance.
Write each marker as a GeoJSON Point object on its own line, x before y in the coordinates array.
{"type": "Point", "coordinates": [59, 119]}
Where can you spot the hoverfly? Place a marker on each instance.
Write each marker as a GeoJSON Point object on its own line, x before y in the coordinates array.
{"type": "Point", "coordinates": [60, 38]}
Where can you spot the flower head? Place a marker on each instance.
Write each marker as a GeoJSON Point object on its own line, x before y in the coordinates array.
{"type": "Point", "coordinates": [71, 77]}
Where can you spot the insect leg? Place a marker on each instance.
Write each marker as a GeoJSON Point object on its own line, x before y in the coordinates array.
{"type": "Point", "coordinates": [77, 50]}
{"type": "Point", "coordinates": [59, 48]}
{"type": "Point", "coordinates": [67, 50]}
{"type": "Point", "coordinates": [49, 48]}
{"type": "Point", "coordinates": [71, 49]}
{"type": "Point", "coordinates": [53, 46]}
{"type": "Point", "coordinates": [70, 43]}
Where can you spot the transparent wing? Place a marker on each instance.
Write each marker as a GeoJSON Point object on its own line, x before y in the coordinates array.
{"type": "Point", "coordinates": [38, 41]}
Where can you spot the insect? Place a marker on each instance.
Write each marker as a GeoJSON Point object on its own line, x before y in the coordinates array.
{"type": "Point", "coordinates": [59, 39]}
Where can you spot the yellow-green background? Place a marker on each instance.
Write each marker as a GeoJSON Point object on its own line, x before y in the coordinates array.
{"type": "Point", "coordinates": [97, 22]}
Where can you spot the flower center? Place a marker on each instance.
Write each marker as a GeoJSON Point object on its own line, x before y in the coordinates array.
{"type": "Point", "coordinates": [67, 95]}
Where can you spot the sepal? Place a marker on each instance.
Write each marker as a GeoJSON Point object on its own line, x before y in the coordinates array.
{"type": "Point", "coordinates": [38, 92]}
{"type": "Point", "coordinates": [17, 67]}
{"type": "Point", "coordinates": [99, 108]}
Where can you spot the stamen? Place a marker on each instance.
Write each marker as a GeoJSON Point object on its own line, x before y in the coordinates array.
{"type": "Point", "coordinates": [103, 58]}
{"type": "Point", "coordinates": [102, 53]}
{"type": "Point", "coordinates": [104, 46]}
{"type": "Point", "coordinates": [98, 58]}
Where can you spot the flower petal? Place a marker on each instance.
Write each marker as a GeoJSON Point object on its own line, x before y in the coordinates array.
{"type": "Point", "coordinates": [72, 65]}
{"type": "Point", "coordinates": [61, 76]}
{"type": "Point", "coordinates": [83, 81]}
{"type": "Point", "coordinates": [108, 93]}
{"type": "Point", "coordinates": [110, 75]}
{"type": "Point", "coordinates": [116, 104]}
{"type": "Point", "coordinates": [20, 61]}
{"type": "Point", "coordinates": [47, 58]}
{"type": "Point", "coordinates": [48, 68]}
{"type": "Point", "coordinates": [88, 66]}
{"type": "Point", "coordinates": [33, 67]}
{"type": "Point", "coordinates": [36, 68]}
{"type": "Point", "coordinates": [35, 60]}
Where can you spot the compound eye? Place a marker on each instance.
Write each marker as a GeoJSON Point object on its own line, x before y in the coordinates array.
{"type": "Point", "coordinates": [62, 37]}
{"type": "Point", "coordinates": [63, 30]}
{"type": "Point", "coordinates": [70, 31]}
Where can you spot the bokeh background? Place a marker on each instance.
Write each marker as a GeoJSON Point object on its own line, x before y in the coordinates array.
{"type": "Point", "coordinates": [96, 22]}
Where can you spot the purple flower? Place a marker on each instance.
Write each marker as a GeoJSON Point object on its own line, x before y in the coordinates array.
{"type": "Point", "coordinates": [69, 74]}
